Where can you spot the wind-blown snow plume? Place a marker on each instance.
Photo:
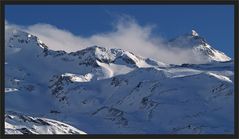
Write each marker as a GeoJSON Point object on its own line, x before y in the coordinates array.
{"type": "Point", "coordinates": [127, 34]}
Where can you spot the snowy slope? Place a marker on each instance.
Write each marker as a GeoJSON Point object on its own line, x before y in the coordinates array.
{"type": "Point", "coordinates": [101, 91]}
{"type": "Point", "coordinates": [139, 98]}
{"type": "Point", "coordinates": [16, 123]}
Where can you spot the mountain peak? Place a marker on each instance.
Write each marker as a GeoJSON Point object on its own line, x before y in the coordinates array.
{"type": "Point", "coordinates": [188, 40]}
{"type": "Point", "coordinates": [194, 33]}
{"type": "Point", "coordinates": [199, 46]}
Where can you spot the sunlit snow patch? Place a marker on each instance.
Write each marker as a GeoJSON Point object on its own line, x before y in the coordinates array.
{"type": "Point", "coordinates": [10, 90]}
{"type": "Point", "coordinates": [221, 77]}
{"type": "Point", "coordinates": [78, 78]}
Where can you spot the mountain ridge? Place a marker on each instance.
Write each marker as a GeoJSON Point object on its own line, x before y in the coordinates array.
{"type": "Point", "coordinates": [113, 91]}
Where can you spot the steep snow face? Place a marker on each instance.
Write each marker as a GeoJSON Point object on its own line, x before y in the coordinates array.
{"type": "Point", "coordinates": [16, 123]}
{"type": "Point", "coordinates": [199, 47]}
{"type": "Point", "coordinates": [112, 91]}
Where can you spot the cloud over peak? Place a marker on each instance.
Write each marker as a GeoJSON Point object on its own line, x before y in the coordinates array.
{"type": "Point", "coordinates": [126, 34]}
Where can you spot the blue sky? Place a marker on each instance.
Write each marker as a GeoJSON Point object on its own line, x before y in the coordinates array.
{"type": "Point", "coordinates": [214, 22]}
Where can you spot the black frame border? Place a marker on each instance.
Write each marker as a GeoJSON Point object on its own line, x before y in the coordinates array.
{"type": "Point", "coordinates": [121, 2]}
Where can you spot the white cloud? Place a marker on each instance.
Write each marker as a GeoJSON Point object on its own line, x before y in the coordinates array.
{"type": "Point", "coordinates": [127, 34]}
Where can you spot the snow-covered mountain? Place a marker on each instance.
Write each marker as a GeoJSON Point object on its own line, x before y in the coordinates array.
{"type": "Point", "coordinates": [112, 91]}
{"type": "Point", "coordinates": [199, 47]}
{"type": "Point", "coordinates": [16, 123]}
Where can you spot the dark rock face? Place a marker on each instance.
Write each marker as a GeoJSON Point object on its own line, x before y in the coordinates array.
{"type": "Point", "coordinates": [112, 114]}
{"type": "Point", "coordinates": [25, 131]}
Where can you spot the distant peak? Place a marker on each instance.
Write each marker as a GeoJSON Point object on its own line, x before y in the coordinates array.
{"type": "Point", "coordinates": [194, 33]}
{"type": "Point", "coordinates": [94, 47]}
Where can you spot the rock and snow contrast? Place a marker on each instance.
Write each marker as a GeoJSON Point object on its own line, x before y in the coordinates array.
{"type": "Point", "coordinates": [113, 91]}
{"type": "Point", "coordinates": [199, 47]}
{"type": "Point", "coordinates": [20, 124]}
